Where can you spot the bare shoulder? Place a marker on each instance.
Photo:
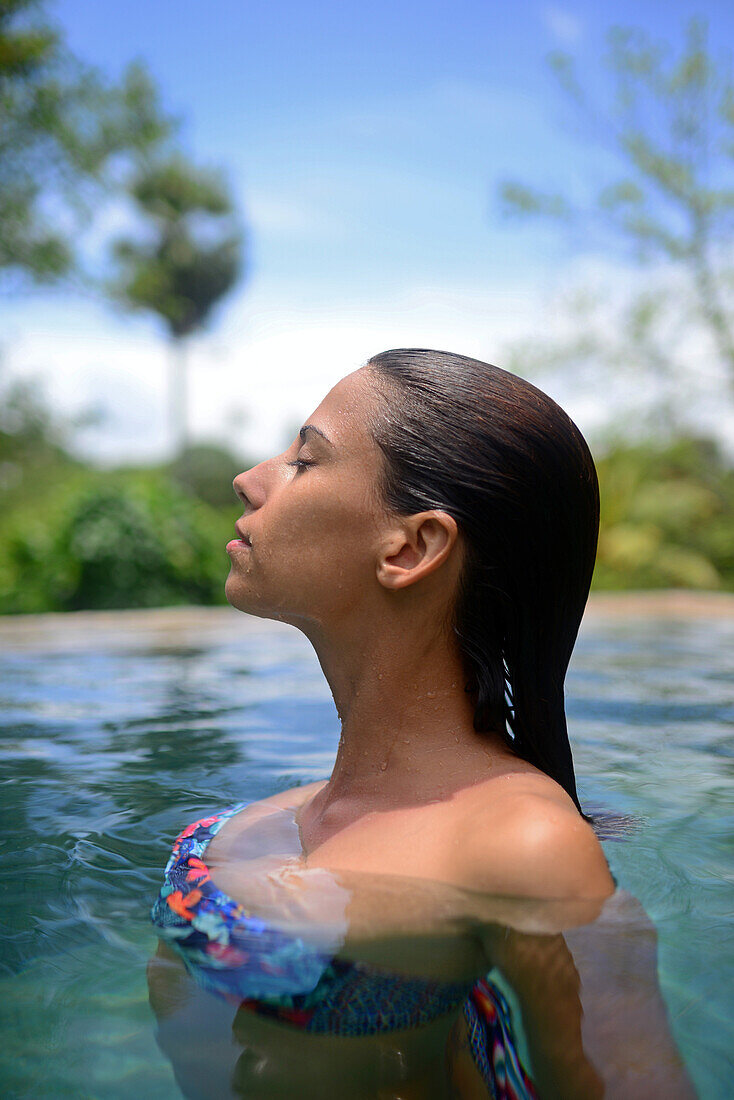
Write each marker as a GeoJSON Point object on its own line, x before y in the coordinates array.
{"type": "Point", "coordinates": [526, 838]}
{"type": "Point", "coordinates": [293, 798]}
{"type": "Point", "coordinates": [223, 845]}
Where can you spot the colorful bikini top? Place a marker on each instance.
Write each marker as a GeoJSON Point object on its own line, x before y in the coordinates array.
{"type": "Point", "coordinates": [234, 953]}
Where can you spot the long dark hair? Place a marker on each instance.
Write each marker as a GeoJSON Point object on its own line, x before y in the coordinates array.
{"type": "Point", "coordinates": [516, 474]}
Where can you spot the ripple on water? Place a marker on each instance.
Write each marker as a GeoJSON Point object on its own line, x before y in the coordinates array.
{"type": "Point", "coordinates": [107, 751]}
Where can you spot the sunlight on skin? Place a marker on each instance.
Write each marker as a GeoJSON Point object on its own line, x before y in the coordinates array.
{"type": "Point", "coordinates": [433, 851]}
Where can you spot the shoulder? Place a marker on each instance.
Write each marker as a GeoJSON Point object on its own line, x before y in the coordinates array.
{"type": "Point", "coordinates": [527, 839]}
{"type": "Point", "coordinates": [293, 797]}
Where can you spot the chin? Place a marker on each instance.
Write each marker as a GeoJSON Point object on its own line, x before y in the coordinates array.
{"type": "Point", "coordinates": [235, 596]}
{"type": "Point", "coordinates": [243, 599]}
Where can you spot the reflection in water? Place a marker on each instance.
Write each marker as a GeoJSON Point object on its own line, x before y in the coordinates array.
{"type": "Point", "coordinates": [111, 740]}
{"type": "Point", "coordinates": [370, 986]}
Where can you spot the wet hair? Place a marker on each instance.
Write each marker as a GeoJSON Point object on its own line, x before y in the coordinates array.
{"type": "Point", "coordinates": [516, 474]}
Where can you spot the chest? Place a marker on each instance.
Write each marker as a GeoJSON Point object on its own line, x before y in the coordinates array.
{"type": "Point", "coordinates": [414, 842]}
{"type": "Point", "coordinates": [360, 889]}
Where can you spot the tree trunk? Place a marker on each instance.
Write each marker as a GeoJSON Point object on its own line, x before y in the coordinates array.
{"type": "Point", "coordinates": [177, 400]}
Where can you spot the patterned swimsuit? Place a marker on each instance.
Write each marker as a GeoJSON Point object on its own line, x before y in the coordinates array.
{"type": "Point", "coordinates": [234, 953]}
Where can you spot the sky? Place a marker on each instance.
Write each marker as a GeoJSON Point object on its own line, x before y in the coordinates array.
{"type": "Point", "coordinates": [365, 144]}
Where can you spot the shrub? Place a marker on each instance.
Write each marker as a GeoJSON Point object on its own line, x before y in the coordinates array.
{"type": "Point", "coordinates": [135, 541]}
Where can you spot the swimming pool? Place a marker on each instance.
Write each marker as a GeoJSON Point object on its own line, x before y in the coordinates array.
{"type": "Point", "coordinates": [118, 729]}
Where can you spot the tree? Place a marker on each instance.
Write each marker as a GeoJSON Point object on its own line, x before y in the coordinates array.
{"type": "Point", "coordinates": [208, 470]}
{"type": "Point", "coordinates": [669, 123]}
{"type": "Point", "coordinates": [34, 442]}
{"type": "Point", "coordinates": [66, 133]}
{"type": "Point", "coordinates": [667, 516]}
{"type": "Point", "coordinates": [188, 261]}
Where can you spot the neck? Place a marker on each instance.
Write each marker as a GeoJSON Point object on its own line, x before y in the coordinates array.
{"type": "Point", "coordinates": [407, 720]}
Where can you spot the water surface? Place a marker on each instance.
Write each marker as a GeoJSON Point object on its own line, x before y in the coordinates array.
{"type": "Point", "coordinates": [118, 729]}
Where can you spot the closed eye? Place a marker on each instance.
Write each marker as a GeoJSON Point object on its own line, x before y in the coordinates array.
{"type": "Point", "coordinates": [300, 464]}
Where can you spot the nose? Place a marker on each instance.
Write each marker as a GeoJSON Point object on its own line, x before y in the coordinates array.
{"type": "Point", "coordinates": [251, 486]}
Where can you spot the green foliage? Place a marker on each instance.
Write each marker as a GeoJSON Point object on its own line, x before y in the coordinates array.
{"type": "Point", "coordinates": [667, 517]}
{"type": "Point", "coordinates": [174, 190]}
{"type": "Point", "coordinates": [134, 538]}
{"type": "Point", "coordinates": [72, 536]}
{"type": "Point", "coordinates": [144, 546]}
{"type": "Point", "coordinates": [33, 444]}
{"type": "Point", "coordinates": [27, 425]}
{"type": "Point", "coordinates": [188, 260]}
{"type": "Point", "coordinates": [66, 134]}
{"type": "Point", "coordinates": [113, 541]}
{"type": "Point", "coordinates": [207, 471]}
{"type": "Point", "coordinates": [192, 254]}
{"type": "Point", "coordinates": [669, 123]}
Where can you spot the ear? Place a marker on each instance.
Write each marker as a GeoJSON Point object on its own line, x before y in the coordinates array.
{"type": "Point", "coordinates": [419, 546]}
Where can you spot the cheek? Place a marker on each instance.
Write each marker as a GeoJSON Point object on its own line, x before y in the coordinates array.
{"type": "Point", "coordinates": [329, 516]}
{"type": "Point", "coordinates": [325, 547]}
{"type": "Point", "coordinates": [313, 553]}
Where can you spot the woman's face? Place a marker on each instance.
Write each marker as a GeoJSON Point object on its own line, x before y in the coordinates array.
{"type": "Point", "coordinates": [312, 516]}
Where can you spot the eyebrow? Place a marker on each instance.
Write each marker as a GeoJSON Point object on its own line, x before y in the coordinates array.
{"type": "Point", "coordinates": [312, 428]}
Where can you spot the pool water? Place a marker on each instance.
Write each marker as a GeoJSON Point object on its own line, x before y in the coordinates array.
{"type": "Point", "coordinates": [116, 730]}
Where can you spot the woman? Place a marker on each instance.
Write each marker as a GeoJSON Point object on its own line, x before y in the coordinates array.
{"type": "Point", "coordinates": [432, 531]}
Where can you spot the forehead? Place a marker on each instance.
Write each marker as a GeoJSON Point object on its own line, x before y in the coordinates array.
{"type": "Point", "coordinates": [347, 411]}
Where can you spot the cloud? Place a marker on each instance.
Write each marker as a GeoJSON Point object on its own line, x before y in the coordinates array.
{"type": "Point", "coordinates": [564, 27]}
{"type": "Point", "coordinates": [270, 360]}
{"type": "Point", "coordinates": [281, 215]}
{"type": "Point", "coordinates": [277, 352]}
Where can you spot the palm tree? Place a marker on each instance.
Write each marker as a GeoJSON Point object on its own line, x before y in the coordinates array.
{"type": "Point", "coordinates": [189, 261]}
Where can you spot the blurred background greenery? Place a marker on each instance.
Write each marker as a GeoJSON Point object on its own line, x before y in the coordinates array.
{"type": "Point", "coordinates": [78, 532]}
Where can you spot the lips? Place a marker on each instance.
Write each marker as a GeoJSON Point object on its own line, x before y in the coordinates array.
{"type": "Point", "coordinates": [237, 544]}
{"type": "Point", "coordinates": [242, 542]}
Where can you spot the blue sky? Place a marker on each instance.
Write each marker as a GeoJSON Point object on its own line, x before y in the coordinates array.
{"type": "Point", "coordinates": [365, 144]}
